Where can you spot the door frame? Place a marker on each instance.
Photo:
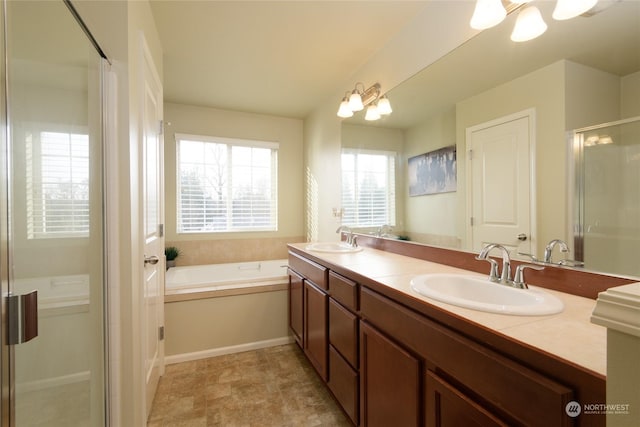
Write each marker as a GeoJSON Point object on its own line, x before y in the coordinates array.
{"type": "Point", "coordinates": [529, 114]}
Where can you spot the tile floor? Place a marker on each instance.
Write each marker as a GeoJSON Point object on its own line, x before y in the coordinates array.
{"type": "Point", "coordinates": [269, 387]}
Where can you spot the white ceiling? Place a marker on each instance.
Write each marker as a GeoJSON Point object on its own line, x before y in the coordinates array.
{"type": "Point", "coordinates": [286, 57]}
{"type": "Point", "coordinates": [281, 58]}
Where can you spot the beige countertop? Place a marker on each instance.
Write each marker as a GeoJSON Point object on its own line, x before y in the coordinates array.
{"type": "Point", "coordinates": [569, 335]}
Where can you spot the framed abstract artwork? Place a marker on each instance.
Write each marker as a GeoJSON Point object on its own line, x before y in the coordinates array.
{"type": "Point", "coordinates": [433, 172]}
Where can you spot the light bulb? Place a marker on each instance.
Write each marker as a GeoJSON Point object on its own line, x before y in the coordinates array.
{"type": "Point", "coordinates": [529, 25]}
{"type": "Point", "coordinates": [384, 106]}
{"type": "Point", "coordinates": [567, 9]}
{"type": "Point", "coordinates": [344, 111]}
{"type": "Point", "coordinates": [372, 113]}
{"type": "Point", "coordinates": [487, 14]}
{"type": "Point", "coordinates": [355, 101]}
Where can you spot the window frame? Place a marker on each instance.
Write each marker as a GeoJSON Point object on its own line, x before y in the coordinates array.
{"type": "Point", "coordinates": [391, 193]}
{"type": "Point", "coordinates": [230, 143]}
{"type": "Point", "coordinates": [34, 181]}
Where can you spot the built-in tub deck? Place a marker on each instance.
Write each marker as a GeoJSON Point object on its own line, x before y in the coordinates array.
{"type": "Point", "coordinates": [219, 280]}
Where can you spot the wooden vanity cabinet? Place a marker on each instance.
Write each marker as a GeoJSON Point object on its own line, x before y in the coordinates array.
{"type": "Point", "coordinates": [315, 302]}
{"type": "Point", "coordinates": [343, 344]}
{"type": "Point", "coordinates": [478, 380]}
{"type": "Point", "coordinates": [388, 364]}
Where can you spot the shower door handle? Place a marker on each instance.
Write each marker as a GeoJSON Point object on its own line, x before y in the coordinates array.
{"type": "Point", "coordinates": [153, 260]}
{"type": "Point", "coordinates": [23, 317]}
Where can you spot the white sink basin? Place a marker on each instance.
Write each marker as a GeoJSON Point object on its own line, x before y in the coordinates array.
{"type": "Point", "coordinates": [481, 294]}
{"type": "Point", "coordinates": [333, 247]}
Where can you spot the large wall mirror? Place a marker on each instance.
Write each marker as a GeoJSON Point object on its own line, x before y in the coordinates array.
{"type": "Point", "coordinates": [580, 73]}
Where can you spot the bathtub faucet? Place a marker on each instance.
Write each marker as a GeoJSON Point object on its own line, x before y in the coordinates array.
{"type": "Point", "coordinates": [351, 239]}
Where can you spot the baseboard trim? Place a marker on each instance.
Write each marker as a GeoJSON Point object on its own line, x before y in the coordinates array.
{"type": "Point", "coordinates": [197, 355]}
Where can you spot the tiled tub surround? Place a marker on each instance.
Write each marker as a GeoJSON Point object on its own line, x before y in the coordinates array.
{"type": "Point", "coordinates": [218, 251]}
{"type": "Point", "coordinates": [566, 346]}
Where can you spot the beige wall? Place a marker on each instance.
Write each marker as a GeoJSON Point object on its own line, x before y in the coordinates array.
{"type": "Point", "coordinates": [215, 323]}
{"type": "Point", "coordinates": [432, 218]}
{"type": "Point", "coordinates": [630, 95]}
{"type": "Point", "coordinates": [592, 96]}
{"type": "Point", "coordinates": [207, 248]}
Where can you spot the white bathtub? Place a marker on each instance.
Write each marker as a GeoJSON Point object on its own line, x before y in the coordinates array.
{"type": "Point", "coordinates": [221, 277]}
{"type": "Point", "coordinates": [56, 291]}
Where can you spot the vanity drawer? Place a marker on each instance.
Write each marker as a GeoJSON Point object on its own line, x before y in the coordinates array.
{"type": "Point", "coordinates": [343, 383]}
{"type": "Point", "coordinates": [310, 270]}
{"type": "Point", "coordinates": [343, 332]}
{"type": "Point", "coordinates": [343, 290]}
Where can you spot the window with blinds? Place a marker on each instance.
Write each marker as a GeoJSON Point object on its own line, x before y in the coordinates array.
{"type": "Point", "coordinates": [226, 185]}
{"type": "Point", "coordinates": [57, 185]}
{"type": "Point", "coordinates": [368, 188]}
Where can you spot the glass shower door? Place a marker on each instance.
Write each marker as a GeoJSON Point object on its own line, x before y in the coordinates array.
{"type": "Point", "coordinates": [609, 197]}
{"type": "Point", "coordinates": [55, 215]}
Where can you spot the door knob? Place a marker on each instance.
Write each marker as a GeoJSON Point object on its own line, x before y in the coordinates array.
{"type": "Point", "coordinates": [522, 237]}
{"type": "Point", "coordinates": [153, 260]}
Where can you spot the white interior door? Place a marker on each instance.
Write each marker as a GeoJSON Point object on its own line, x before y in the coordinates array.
{"type": "Point", "coordinates": [153, 216]}
{"type": "Point", "coordinates": [501, 178]}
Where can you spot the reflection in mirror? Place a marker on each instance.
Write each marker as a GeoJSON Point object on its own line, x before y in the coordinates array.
{"type": "Point", "coordinates": [581, 72]}
{"type": "Point", "coordinates": [607, 196]}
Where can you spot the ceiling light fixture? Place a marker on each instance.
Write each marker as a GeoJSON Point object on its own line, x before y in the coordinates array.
{"type": "Point", "coordinates": [529, 25]}
{"type": "Point", "coordinates": [359, 97]}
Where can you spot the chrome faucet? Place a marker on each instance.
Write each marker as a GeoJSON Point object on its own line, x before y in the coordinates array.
{"type": "Point", "coordinates": [351, 238]}
{"type": "Point", "coordinates": [383, 230]}
{"type": "Point", "coordinates": [552, 244]}
{"type": "Point", "coordinates": [518, 277]}
{"type": "Point", "coordinates": [505, 278]}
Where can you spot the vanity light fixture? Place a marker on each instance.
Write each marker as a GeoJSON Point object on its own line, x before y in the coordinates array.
{"type": "Point", "coordinates": [529, 25]}
{"type": "Point", "coordinates": [377, 104]}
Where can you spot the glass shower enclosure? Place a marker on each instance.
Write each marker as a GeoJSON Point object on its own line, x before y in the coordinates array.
{"type": "Point", "coordinates": [607, 196]}
{"type": "Point", "coordinates": [52, 230]}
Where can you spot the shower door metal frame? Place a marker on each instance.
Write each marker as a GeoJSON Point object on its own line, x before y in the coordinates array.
{"type": "Point", "coordinates": [6, 352]}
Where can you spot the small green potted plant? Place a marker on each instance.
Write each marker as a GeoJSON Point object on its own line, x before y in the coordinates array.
{"type": "Point", "coordinates": [171, 253]}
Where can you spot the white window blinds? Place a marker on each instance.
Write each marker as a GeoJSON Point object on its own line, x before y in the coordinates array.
{"type": "Point", "coordinates": [57, 185]}
{"type": "Point", "coordinates": [226, 185]}
{"type": "Point", "coordinates": [368, 188]}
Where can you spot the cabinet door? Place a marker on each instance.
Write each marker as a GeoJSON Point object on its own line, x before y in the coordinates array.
{"type": "Point", "coordinates": [295, 306]}
{"type": "Point", "coordinates": [316, 342]}
{"type": "Point", "coordinates": [390, 382]}
{"type": "Point", "coordinates": [343, 382]}
{"type": "Point", "coordinates": [446, 406]}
